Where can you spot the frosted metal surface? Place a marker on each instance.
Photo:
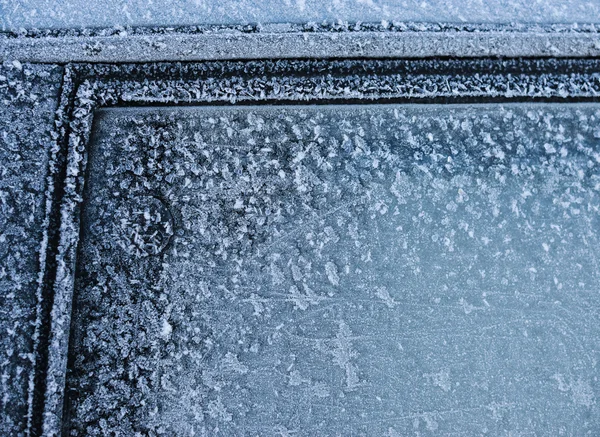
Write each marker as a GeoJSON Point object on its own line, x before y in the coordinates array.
{"type": "Point", "coordinates": [15, 14]}
{"type": "Point", "coordinates": [28, 95]}
{"type": "Point", "coordinates": [339, 270]}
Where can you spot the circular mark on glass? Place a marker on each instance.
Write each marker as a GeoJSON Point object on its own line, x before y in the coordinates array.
{"type": "Point", "coordinates": [144, 226]}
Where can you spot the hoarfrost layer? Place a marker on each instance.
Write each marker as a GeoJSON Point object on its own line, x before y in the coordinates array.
{"type": "Point", "coordinates": [79, 13]}
{"type": "Point", "coordinates": [365, 270]}
{"type": "Point", "coordinates": [28, 97]}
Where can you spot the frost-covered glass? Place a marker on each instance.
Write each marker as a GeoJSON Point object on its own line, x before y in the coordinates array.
{"type": "Point", "coordinates": [339, 270]}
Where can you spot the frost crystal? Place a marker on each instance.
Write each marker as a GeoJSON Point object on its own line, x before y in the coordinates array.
{"type": "Point", "coordinates": [338, 270]}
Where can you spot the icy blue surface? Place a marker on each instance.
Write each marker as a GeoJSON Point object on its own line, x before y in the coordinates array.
{"type": "Point", "coordinates": [340, 270]}
{"type": "Point", "coordinates": [28, 99]}
{"type": "Point", "coordinates": [106, 13]}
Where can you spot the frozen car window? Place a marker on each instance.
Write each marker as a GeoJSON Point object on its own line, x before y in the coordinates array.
{"type": "Point", "coordinates": [338, 270]}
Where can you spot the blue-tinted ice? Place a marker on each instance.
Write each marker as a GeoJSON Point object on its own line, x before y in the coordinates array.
{"type": "Point", "coordinates": [340, 270]}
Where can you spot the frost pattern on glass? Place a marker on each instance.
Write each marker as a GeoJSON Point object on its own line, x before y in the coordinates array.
{"type": "Point", "coordinates": [339, 270]}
